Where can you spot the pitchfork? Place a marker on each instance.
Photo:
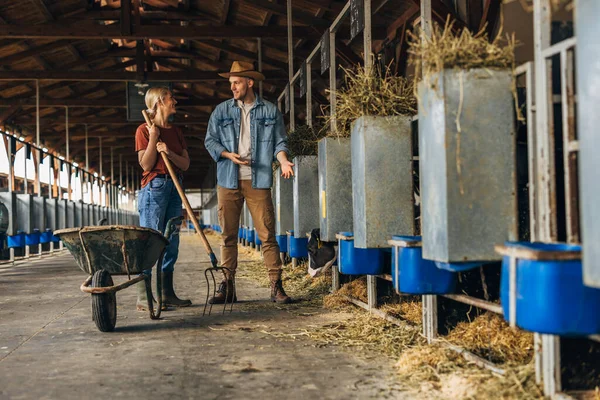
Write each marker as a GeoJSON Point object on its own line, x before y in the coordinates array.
{"type": "Point", "coordinates": [213, 259]}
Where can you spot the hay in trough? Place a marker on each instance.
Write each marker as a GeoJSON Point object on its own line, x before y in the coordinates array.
{"type": "Point", "coordinates": [446, 49]}
{"type": "Point", "coordinates": [490, 337]}
{"type": "Point", "coordinates": [357, 289]}
{"type": "Point", "coordinates": [373, 92]}
{"type": "Point", "coordinates": [409, 310]}
{"type": "Point", "coordinates": [303, 141]}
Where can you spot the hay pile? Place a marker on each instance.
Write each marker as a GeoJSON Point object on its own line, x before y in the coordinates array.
{"type": "Point", "coordinates": [409, 310]}
{"type": "Point", "coordinates": [303, 141]}
{"type": "Point", "coordinates": [367, 332]}
{"type": "Point", "coordinates": [357, 289]}
{"type": "Point", "coordinates": [446, 50]}
{"type": "Point", "coordinates": [490, 337]}
{"type": "Point", "coordinates": [373, 92]}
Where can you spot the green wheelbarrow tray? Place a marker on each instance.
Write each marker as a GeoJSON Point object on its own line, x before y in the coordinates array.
{"type": "Point", "coordinates": [102, 251]}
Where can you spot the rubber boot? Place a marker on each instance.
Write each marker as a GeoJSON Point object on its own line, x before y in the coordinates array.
{"type": "Point", "coordinates": [142, 297]}
{"type": "Point", "coordinates": [278, 295]}
{"type": "Point", "coordinates": [225, 292]}
{"type": "Point", "coordinates": [169, 296]}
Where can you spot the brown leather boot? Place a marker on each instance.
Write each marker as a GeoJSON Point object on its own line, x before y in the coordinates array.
{"type": "Point", "coordinates": [278, 294]}
{"type": "Point", "coordinates": [226, 291]}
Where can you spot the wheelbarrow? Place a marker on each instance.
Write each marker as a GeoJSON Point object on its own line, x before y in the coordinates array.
{"type": "Point", "coordinates": [103, 251]}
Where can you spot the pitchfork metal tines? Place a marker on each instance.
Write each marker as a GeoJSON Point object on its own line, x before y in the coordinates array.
{"type": "Point", "coordinates": [230, 294]}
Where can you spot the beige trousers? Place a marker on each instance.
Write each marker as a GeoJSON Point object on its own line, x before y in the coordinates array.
{"type": "Point", "coordinates": [260, 205]}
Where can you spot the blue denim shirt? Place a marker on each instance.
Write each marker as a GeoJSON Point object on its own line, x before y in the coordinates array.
{"type": "Point", "coordinates": [267, 135]}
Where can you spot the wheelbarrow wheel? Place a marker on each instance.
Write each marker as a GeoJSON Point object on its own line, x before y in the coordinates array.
{"type": "Point", "coordinates": [104, 306]}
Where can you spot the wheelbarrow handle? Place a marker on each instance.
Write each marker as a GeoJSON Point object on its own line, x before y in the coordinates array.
{"type": "Point", "coordinates": [184, 200]}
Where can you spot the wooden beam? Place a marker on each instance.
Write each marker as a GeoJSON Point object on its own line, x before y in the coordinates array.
{"type": "Point", "coordinates": [6, 114]}
{"type": "Point", "coordinates": [237, 51]}
{"type": "Point", "coordinates": [489, 18]}
{"type": "Point", "coordinates": [111, 101]}
{"type": "Point", "coordinates": [281, 10]}
{"type": "Point", "coordinates": [35, 51]}
{"type": "Point", "coordinates": [100, 32]}
{"type": "Point", "coordinates": [117, 120]}
{"type": "Point", "coordinates": [125, 19]}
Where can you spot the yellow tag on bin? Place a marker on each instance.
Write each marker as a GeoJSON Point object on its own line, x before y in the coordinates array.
{"type": "Point", "coordinates": [323, 204]}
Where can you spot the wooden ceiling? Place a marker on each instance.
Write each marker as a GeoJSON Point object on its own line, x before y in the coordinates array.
{"type": "Point", "coordinates": [82, 52]}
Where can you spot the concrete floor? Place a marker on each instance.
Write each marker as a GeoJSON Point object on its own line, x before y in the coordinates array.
{"type": "Point", "coordinates": [50, 347]}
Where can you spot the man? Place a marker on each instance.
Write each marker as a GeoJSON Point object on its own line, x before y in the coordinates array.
{"type": "Point", "coordinates": [245, 135]}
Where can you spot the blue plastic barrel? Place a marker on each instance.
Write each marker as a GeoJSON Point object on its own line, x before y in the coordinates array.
{"type": "Point", "coordinates": [282, 242]}
{"type": "Point", "coordinates": [551, 296]}
{"type": "Point", "coordinates": [250, 235]}
{"type": "Point", "coordinates": [459, 266]}
{"type": "Point", "coordinates": [297, 247]}
{"type": "Point", "coordinates": [46, 237]}
{"type": "Point", "coordinates": [33, 239]}
{"type": "Point", "coordinates": [412, 274]}
{"type": "Point", "coordinates": [355, 261]}
{"type": "Point", "coordinates": [257, 240]}
{"type": "Point", "coordinates": [17, 240]}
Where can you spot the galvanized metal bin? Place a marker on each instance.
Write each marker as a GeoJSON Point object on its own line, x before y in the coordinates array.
{"type": "Point", "coordinates": [587, 59]}
{"type": "Point", "coordinates": [467, 164]}
{"type": "Point", "coordinates": [335, 194]}
{"type": "Point", "coordinates": [39, 213]}
{"type": "Point", "coordinates": [25, 213]}
{"type": "Point", "coordinates": [9, 199]}
{"type": "Point", "coordinates": [306, 195]}
{"type": "Point", "coordinates": [382, 182]}
{"type": "Point", "coordinates": [283, 195]}
{"type": "Point", "coordinates": [51, 212]}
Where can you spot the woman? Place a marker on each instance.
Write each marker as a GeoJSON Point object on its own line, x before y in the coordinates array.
{"type": "Point", "coordinates": [158, 199]}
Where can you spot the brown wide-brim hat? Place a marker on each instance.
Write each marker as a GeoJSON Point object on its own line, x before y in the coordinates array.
{"type": "Point", "coordinates": [243, 69]}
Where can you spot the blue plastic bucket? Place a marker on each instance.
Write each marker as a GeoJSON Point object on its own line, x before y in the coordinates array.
{"type": "Point", "coordinates": [354, 261]}
{"type": "Point", "coordinates": [459, 266]}
{"type": "Point", "coordinates": [297, 247]}
{"type": "Point", "coordinates": [33, 239]}
{"type": "Point", "coordinates": [412, 274]}
{"type": "Point", "coordinates": [257, 240]}
{"type": "Point", "coordinates": [250, 235]}
{"type": "Point", "coordinates": [282, 242]}
{"type": "Point", "coordinates": [15, 241]}
{"type": "Point", "coordinates": [551, 296]}
{"type": "Point", "coordinates": [46, 237]}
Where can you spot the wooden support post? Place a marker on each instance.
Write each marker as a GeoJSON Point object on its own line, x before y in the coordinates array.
{"type": "Point", "coordinates": [38, 163]}
{"type": "Point", "coordinates": [367, 42]}
{"type": "Point", "coordinates": [291, 64]}
{"type": "Point", "coordinates": [260, 66]}
{"type": "Point", "coordinates": [372, 291]}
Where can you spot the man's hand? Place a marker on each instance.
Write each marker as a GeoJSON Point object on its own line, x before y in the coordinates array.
{"type": "Point", "coordinates": [287, 170]}
{"type": "Point", "coordinates": [161, 147]}
{"type": "Point", "coordinates": [236, 158]}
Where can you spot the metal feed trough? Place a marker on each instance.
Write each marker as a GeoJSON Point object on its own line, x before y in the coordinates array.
{"type": "Point", "coordinates": [467, 159]}
{"type": "Point", "coordinates": [102, 251]}
{"type": "Point", "coordinates": [588, 119]}
{"type": "Point", "coordinates": [306, 195]}
{"type": "Point", "coordinates": [335, 194]}
{"type": "Point", "coordinates": [382, 180]}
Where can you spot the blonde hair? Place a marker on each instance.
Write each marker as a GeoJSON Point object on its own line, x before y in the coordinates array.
{"type": "Point", "coordinates": [153, 95]}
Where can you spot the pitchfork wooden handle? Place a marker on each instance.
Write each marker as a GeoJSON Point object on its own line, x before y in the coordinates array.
{"type": "Point", "coordinates": [186, 203]}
